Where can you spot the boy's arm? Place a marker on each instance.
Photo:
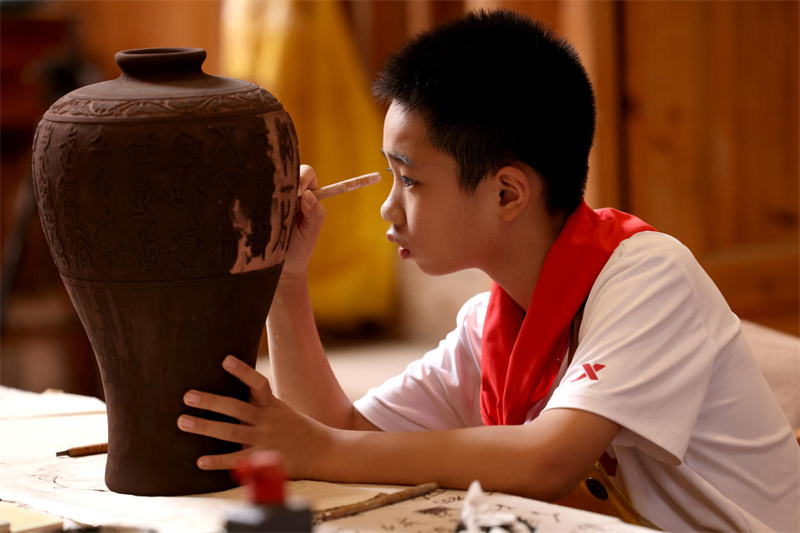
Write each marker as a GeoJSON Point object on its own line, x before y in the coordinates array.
{"type": "Point", "coordinates": [544, 459]}
{"type": "Point", "coordinates": [302, 375]}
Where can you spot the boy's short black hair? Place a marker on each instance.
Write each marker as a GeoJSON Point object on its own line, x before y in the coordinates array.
{"type": "Point", "coordinates": [498, 87]}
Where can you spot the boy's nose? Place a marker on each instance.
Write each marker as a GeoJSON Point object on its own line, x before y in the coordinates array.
{"type": "Point", "coordinates": [391, 211]}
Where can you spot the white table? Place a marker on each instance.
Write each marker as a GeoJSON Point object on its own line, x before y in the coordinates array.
{"type": "Point", "coordinates": [34, 426]}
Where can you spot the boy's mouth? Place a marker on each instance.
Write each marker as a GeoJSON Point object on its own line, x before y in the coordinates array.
{"type": "Point", "coordinates": [402, 252]}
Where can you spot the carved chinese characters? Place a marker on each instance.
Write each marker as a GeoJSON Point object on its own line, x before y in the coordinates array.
{"type": "Point", "coordinates": [135, 217]}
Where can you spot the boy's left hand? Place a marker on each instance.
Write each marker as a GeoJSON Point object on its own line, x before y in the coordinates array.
{"type": "Point", "coordinates": [266, 423]}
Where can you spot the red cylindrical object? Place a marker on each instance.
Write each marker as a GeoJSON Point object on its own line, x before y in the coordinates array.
{"type": "Point", "coordinates": [264, 474]}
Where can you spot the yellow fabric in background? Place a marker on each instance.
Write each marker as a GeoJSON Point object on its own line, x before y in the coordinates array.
{"type": "Point", "coordinates": [303, 52]}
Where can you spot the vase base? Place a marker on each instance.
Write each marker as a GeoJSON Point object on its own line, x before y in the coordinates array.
{"type": "Point", "coordinates": [154, 341]}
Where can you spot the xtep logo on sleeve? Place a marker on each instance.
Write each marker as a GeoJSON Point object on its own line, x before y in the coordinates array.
{"type": "Point", "coordinates": [590, 371]}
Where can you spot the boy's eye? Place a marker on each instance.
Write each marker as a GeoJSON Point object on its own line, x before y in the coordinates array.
{"type": "Point", "coordinates": [404, 180]}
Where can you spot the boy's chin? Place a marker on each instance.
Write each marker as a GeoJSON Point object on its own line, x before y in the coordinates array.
{"type": "Point", "coordinates": [433, 269]}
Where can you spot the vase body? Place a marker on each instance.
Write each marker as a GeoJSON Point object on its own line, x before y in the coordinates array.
{"type": "Point", "coordinates": [167, 198]}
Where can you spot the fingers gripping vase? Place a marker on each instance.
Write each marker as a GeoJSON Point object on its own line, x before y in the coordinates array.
{"type": "Point", "coordinates": [167, 197]}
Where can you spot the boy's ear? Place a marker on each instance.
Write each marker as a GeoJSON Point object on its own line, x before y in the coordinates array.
{"type": "Point", "coordinates": [513, 192]}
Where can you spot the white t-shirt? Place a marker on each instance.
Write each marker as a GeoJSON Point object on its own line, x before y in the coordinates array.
{"type": "Point", "coordinates": [704, 445]}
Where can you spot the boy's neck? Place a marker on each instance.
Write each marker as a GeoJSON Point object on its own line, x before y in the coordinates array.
{"type": "Point", "coordinates": [521, 252]}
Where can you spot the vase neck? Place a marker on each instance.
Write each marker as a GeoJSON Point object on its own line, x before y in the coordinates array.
{"type": "Point", "coordinates": [161, 62]}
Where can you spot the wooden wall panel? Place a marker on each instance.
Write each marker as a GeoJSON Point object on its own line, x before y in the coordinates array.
{"type": "Point", "coordinates": [592, 26]}
{"type": "Point", "coordinates": [545, 10]}
{"type": "Point", "coordinates": [382, 26]}
{"type": "Point", "coordinates": [713, 137]}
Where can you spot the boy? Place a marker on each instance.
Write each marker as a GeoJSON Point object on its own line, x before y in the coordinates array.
{"type": "Point", "coordinates": [600, 334]}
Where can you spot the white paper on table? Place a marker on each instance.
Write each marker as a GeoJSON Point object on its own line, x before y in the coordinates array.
{"type": "Point", "coordinates": [74, 488]}
{"type": "Point", "coordinates": [39, 425]}
{"type": "Point", "coordinates": [321, 496]}
{"type": "Point", "coordinates": [15, 404]}
{"type": "Point", "coordinates": [439, 511]}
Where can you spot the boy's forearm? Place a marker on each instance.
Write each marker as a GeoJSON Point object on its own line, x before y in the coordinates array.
{"type": "Point", "coordinates": [503, 458]}
{"type": "Point", "coordinates": [302, 376]}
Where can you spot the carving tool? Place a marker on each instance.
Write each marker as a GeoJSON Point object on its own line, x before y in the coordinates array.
{"type": "Point", "coordinates": [347, 185]}
{"type": "Point", "coordinates": [380, 500]}
{"type": "Point", "coordinates": [81, 451]}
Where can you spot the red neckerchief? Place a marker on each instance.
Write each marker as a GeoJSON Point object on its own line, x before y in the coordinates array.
{"type": "Point", "coordinates": [521, 353]}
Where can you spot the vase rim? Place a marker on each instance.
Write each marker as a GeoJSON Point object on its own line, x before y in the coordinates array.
{"type": "Point", "coordinates": [159, 62]}
{"type": "Point", "coordinates": [158, 83]}
{"type": "Point", "coordinates": [161, 50]}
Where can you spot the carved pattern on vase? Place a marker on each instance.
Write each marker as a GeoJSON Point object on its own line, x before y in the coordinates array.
{"type": "Point", "coordinates": [69, 106]}
{"type": "Point", "coordinates": [287, 142]}
{"type": "Point", "coordinates": [42, 192]}
{"type": "Point", "coordinates": [214, 163]}
{"type": "Point", "coordinates": [261, 229]}
{"type": "Point", "coordinates": [186, 243]}
{"type": "Point", "coordinates": [107, 238]}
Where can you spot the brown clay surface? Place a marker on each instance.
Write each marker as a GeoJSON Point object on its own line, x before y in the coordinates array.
{"type": "Point", "coordinates": [167, 198]}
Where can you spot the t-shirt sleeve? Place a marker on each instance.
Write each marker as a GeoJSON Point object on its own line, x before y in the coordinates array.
{"type": "Point", "coordinates": [645, 356]}
{"type": "Point", "coordinates": [439, 391]}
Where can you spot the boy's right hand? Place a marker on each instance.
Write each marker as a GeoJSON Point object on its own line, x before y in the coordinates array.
{"type": "Point", "coordinates": [307, 225]}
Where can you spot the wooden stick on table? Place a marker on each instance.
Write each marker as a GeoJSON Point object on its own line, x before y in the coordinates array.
{"type": "Point", "coordinates": [347, 185]}
{"type": "Point", "coordinates": [380, 500]}
{"type": "Point", "coordinates": [81, 451]}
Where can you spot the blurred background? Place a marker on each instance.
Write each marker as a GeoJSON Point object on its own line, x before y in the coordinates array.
{"type": "Point", "coordinates": [698, 134]}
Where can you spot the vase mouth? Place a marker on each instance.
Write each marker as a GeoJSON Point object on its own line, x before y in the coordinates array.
{"type": "Point", "coordinates": [143, 62]}
{"type": "Point", "coordinates": [162, 84]}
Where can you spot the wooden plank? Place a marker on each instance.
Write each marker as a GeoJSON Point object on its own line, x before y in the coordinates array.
{"type": "Point", "coordinates": [757, 278]}
{"type": "Point", "coordinates": [545, 10]}
{"type": "Point", "coordinates": [380, 28]}
{"type": "Point", "coordinates": [714, 141]}
{"type": "Point", "coordinates": [592, 26]}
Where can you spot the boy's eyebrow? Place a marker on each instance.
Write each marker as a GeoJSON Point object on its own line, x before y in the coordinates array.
{"type": "Point", "coordinates": [399, 157]}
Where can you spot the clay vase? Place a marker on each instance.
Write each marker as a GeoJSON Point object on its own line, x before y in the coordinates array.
{"type": "Point", "coordinates": [167, 197]}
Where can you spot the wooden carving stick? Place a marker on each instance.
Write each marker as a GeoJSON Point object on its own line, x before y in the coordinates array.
{"type": "Point", "coordinates": [347, 185]}
{"type": "Point", "coordinates": [380, 500]}
{"type": "Point", "coordinates": [80, 451]}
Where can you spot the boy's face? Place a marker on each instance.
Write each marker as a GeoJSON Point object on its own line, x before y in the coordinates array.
{"type": "Point", "coordinates": [433, 221]}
